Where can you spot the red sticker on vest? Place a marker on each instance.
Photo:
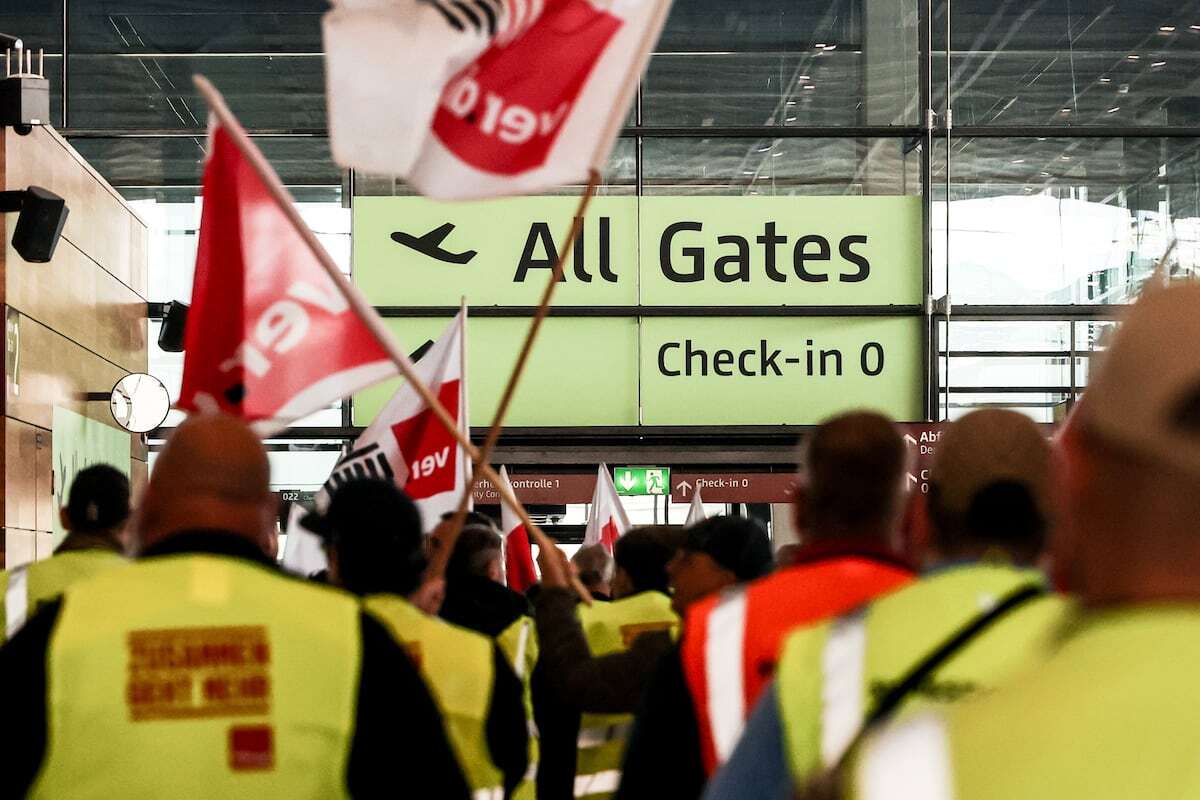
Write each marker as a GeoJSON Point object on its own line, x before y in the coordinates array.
{"type": "Point", "coordinates": [251, 748]}
{"type": "Point", "coordinates": [191, 673]}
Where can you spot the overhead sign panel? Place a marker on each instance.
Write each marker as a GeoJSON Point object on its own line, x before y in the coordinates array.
{"type": "Point", "coordinates": [673, 251]}
{"type": "Point", "coordinates": [777, 370]}
{"type": "Point", "coordinates": [410, 251]}
{"type": "Point", "coordinates": [622, 368]}
{"type": "Point", "coordinates": [638, 481]}
{"type": "Point", "coordinates": [587, 371]}
{"type": "Point", "coordinates": [733, 487]}
{"type": "Point", "coordinates": [737, 251]}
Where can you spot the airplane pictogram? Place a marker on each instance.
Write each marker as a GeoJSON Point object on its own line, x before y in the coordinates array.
{"type": "Point", "coordinates": [430, 244]}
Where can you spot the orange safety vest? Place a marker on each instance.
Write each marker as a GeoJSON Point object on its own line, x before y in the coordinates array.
{"type": "Point", "coordinates": [731, 641]}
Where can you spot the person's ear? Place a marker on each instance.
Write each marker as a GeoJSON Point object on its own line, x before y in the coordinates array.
{"type": "Point", "coordinates": [64, 519]}
{"type": "Point", "coordinates": [801, 515]}
{"type": "Point", "coordinates": [331, 561]}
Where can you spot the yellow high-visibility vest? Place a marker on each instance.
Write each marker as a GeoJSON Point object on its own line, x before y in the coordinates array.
{"type": "Point", "coordinates": [1109, 714]}
{"type": "Point", "coordinates": [457, 666]}
{"type": "Point", "coordinates": [22, 589]}
{"type": "Point", "coordinates": [611, 628]}
{"type": "Point", "coordinates": [200, 676]}
{"type": "Point", "coordinates": [519, 643]}
{"type": "Point", "coordinates": [831, 675]}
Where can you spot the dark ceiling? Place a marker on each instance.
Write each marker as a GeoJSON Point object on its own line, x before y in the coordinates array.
{"type": "Point", "coordinates": [1116, 64]}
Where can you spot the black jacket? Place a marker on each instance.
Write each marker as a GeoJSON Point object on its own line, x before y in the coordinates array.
{"type": "Point", "coordinates": [398, 730]}
{"type": "Point", "coordinates": [482, 605]}
{"type": "Point", "coordinates": [665, 732]}
{"type": "Point", "coordinates": [569, 681]}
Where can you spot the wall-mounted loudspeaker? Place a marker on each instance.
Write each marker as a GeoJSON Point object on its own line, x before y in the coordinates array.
{"type": "Point", "coordinates": [174, 325]}
{"type": "Point", "coordinates": [39, 223]}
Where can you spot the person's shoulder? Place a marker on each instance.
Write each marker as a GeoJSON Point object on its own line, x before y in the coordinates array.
{"type": "Point", "coordinates": [803, 642]}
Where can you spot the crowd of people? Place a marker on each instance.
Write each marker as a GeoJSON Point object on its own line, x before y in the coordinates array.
{"type": "Point", "coordinates": [1040, 644]}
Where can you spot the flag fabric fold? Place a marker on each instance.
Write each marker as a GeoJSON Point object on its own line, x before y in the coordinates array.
{"type": "Point", "coordinates": [304, 551]}
{"type": "Point", "coordinates": [518, 555]}
{"type": "Point", "coordinates": [262, 306]}
{"type": "Point", "coordinates": [696, 512]}
{"type": "Point", "coordinates": [608, 521]}
{"type": "Point", "coordinates": [495, 97]}
{"type": "Point", "coordinates": [407, 443]}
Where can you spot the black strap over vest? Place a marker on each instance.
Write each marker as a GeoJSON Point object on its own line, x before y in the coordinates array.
{"type": "Point", "coordinates": [921, 671]}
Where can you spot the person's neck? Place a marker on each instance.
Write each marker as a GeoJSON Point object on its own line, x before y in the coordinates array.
{"type": "Point", "coordinates": [978, 554]}
{"type": "Point", "coordinates": [1169, 584]}
{"type": "Point", "coordinates": [90, 540]}
{"type": "Point", "coordinates": [834, 535]}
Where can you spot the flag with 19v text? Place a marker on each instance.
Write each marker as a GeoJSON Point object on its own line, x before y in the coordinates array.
{"type": "Point", "coordinates": [483, 98]}
{"type": "Point", "coordinates": [409, 445]}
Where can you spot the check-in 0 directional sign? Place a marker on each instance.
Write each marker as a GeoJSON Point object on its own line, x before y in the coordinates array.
{"type": "Point", "coordinates": [642, 480]}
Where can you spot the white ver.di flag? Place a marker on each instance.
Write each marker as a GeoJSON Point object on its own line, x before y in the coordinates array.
{"type": "Point", "coordinates": [304, 551]}
{"type": "Point", "coordinates": [608, 521]}
{"type": "Point", "coordinates": [483, 98]}
{"type": "Point", "coordinates": [696, 512]}
{"type": "Point", "coordinates": [409, 445]}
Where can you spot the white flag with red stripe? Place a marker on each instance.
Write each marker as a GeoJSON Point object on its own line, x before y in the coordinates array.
{"type": "Point", "coordinates": [482, 98]}
{"type": "Point", "coordinates": [518, 555]}
{"type": "Point", "coordinates": [696, 512]}
{"type": "Point", "coordinates": [408, 443]}
{"type": "Point", "coordinates": [304, 551]}
{"type": "Point", "coordinates": [608, 521]}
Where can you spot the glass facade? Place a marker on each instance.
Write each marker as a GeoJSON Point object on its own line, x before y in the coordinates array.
{"type": "Point", "coordinates": [1053, 144]}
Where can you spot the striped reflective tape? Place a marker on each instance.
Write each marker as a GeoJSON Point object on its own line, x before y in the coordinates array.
{"type": "Point", "coordinates": [490, 793]}
{"type": "Point", "coordinates": [723, 678]}
{"type": "Point", "coordinates": [909, 760]}
{"type": "Point", "coordinates": [522, 644]}
{"type": "Point", "coordinates": [600, 735]}
{"type": "Point", "coordinates": [604, 782]}
{"type": "Point", "coordinates": [16, 601]}
{"type": "Point", "coordinates": [842, 686]}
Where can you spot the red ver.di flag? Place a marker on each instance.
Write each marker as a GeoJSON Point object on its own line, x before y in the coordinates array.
{"type": "Point", "coordinates": [270, 337]}
{"type": "Point", "coordinates": [608, 521]}
{"type": "Point", "coordinates": [408, 444]}
{"type": "Point", "coordinates": [483, 98]}
{"type": "Point", "coordinates": [519, 571]}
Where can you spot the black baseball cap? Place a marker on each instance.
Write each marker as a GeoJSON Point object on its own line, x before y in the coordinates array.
{"type": "Point", "coordinates": [98, 499]}
{"type": "Point", "coordinates": [738, 544]}
{"type": "Point", "coordinates": [363, 504]}
{"type": "Point", "coordinates": [376, 530]}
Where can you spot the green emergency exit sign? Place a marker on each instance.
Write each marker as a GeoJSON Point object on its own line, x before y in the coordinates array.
{"type": "Point", "coordinates": [642, 480]}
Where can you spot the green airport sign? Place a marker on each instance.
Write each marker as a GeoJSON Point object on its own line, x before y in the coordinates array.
{"type": "Point", "coordinates": [639, 481]}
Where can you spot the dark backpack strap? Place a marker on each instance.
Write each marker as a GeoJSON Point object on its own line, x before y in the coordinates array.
{"type": "Point", "coordinates": [921, 672]}
{"type": "Point", "coordinates": [835, 777]}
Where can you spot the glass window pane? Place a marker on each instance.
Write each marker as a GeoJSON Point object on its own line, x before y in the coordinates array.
{"type": "Point", "coordinates": [1125, 62]}
{"type": "Point", "coordinates": [38, 24]}
{"type": "Point", "coordinates": [1048, 221]}
{"type": "Point", "coordinates": [194, 26]}
{"type": "Point", "coordinates": [780, 166]}
{"type": "Point", "coordinates": [279, 92]}
{"type": "Point", "coordinates": [161, 167]}
{"type": "Point", "coordinates": [619, 178]}
{"type": "Point", "coordinates": [779, 62]}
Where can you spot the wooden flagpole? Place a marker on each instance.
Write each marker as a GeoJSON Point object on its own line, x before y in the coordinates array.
{"type": "Point", "coordinates": [510, 389]}
{"type": "Point", "coordinates": [364, 309]}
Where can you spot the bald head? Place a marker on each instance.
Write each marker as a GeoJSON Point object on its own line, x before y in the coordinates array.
{"type": "Point", "coordinates": [1132, 460]}
{"type": "Point", "coordinates": [852, 478]}
{"type": "Point", "coordinates": [212, 474]}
